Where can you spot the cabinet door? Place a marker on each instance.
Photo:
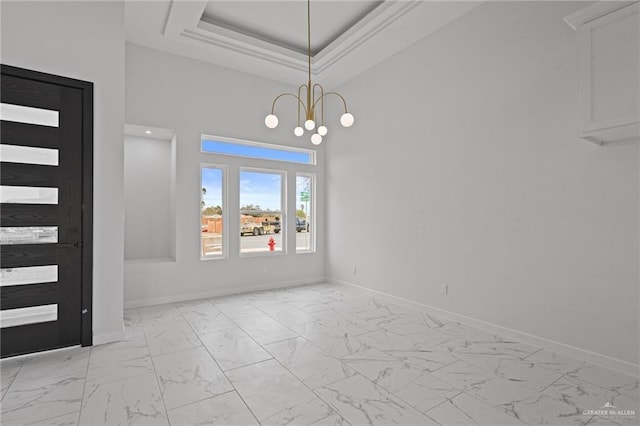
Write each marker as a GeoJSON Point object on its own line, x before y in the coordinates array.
{"type": "Point", "coordinates": [610, 74]}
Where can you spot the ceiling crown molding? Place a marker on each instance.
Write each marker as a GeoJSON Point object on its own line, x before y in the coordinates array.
{"type": "Point", "coordinates": [389, 28]}
{"type": "Point", "coordinates": [594, 11]}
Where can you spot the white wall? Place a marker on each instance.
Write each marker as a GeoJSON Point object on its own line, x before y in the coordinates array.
{"type": "Point", "coordinates": [148, 198]}
{"type": "Point", "coordinates": [193, 97]}
{"type": "Point", "coordinates": [465, 160]}
{"type": "Point", "coordinates": [85, 40]}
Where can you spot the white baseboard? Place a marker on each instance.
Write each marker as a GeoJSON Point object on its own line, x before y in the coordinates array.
{"type": "Point", "coordinates": [112, 336]}
{"type": "Point", "coordinates": [605, 361]}
{"type": "Point", "coordinates": [137, 303]}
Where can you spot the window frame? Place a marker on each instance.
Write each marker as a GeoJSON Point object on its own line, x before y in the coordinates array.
{"type": "Point", "coordinates": [225, 214]}
{"type": "Point", "coordinates": [283, 210]}
{"type": "Point", "coordinates": [311, 212]}
{"type": "Point", "coordinates": [312, 153]}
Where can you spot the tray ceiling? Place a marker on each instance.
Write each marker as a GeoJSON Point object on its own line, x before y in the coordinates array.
{"type": "Point", "coordinates": [268, 38]}
{"type": "Point", "coordinates": [284, 23]}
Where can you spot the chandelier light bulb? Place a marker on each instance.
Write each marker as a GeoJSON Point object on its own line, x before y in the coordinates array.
{"type": "Point", "coordinates": [316, 139]}
{"type": "Point", "coordinates": [309, 124]}
{"type": "Point", "coordinates": [298, 131]}
{"type": "Point", "coordinates": [322, 130]}
{"type": "Point", "coordinates": [347, 119]}
{"type": "Point", "coordinates": [271, 121]}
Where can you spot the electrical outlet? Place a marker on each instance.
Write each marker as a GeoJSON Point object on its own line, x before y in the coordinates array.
{"type": "Point", "coordinates": [444, 289]}
{"type": "Point", "coordinates": [354, 269]}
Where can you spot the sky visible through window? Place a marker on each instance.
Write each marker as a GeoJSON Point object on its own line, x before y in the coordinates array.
{"type": "Point", "coordinates": [261, 189]}
{"type": "Point", "coordinates": [212, 183]}
{"type": "Point", "coordinates": [252, 151]}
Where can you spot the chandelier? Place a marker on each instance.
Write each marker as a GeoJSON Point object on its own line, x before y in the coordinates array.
{"type": "Point", "coordinates": [310, 99]}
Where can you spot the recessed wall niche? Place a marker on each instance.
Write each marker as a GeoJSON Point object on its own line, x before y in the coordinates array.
{"type": "Point", "coordinates": [149, 193]}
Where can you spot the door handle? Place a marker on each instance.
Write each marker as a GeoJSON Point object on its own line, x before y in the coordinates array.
{"type": "Point", "coordinates": [69, 245]}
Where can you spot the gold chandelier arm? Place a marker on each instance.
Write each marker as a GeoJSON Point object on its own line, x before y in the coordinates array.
{"type": "Point", "coordinates": [344, 102]}
{"type": "Point", "coordinates": [298, 109]}
{"type": "Point", "coordinates": [273, 105]}
{"type": "Point", "coordinates": [321, 97]}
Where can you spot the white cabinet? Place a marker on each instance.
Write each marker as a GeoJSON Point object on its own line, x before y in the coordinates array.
{"type": "Point", "coordinates": [609, 70]}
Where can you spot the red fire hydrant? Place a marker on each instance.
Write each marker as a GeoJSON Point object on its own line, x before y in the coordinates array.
{"type": "Point", "coordinates": [272, 244]}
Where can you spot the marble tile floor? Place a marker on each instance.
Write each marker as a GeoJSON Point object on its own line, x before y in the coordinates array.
{"type": "Point", "coordinates": [313, 355]}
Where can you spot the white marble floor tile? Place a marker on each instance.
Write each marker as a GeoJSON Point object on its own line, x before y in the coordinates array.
{"type": "Point", "coordinates": [134, 332]}
{"type": "Point", "coordinates": [37, 399]}
{"type": "Point", "coordinates": [463, 375]}
{"type": "Point", "coordinates": [309, 363]}
{"type": "Point", "coordinates": [565, 402]}
{"type": "Point", "coordinates": [433, 321]}
{"type": "Point", "coordinates": [554, 362]}
{"type": "Point", "coordinates": [264, 297]}
{"type": "Point", "coordinates": [170, 336]}
{"type": "Point", "coordinates": [153, 315]}
{"type": "Point", "coordinates": [106, 371]}
{"type": "Point", "coordinates": [47, 385]}
{"type": "Point", "coordinates": [333, 341]}
{"type": "Point", "coordinates": [369, 360]}
{"type": "Point", "coordinates": [342, 321]}
{"type": "Point", "coordinates": [132, 401]}
{"type": "Point", "coordinates": [426, 392]}
{"type": "Point", "coordinates": [286, 314]}
{"type": "Point", "coordinates": [188, 376]}
{"type": "Point", "coordinates": [55, 366]}
{"type": "Point", "coordinates": [388, 341]}
{"type": "Point", "coordinates": [332, 420]}
{"type": "Point", "coordinates": [131, 317]}
{"type": "Point", "coordinates": [605, 378]}
{"type": "Point", "coordinates": [124, 350]}
{"type": "Point", "coordinates": [547, 409]}
{"type": "Point", "coordinates": [405, 325]}
{"type": "Point", "coordinates": [430, 360]}
{"type": "Point", "coordinates": [269, 389]}
{"type": "Point", "coordinates": [367, 355]}
{"type": "Point", "coordinates": [466, 332]}
{"type": "Point", "coordinates": [401, 311]}
{"type": "Point", "coordinates": [237, 309]}
{"type": "Point", "coordinates": [375, 317]}
{"type": "Point", "coordinates": [203, 306]}
{"type": "Point", "coordinates": [524, 373]}
{"type": "Point", "coordinates": [502, 393]}
{"type": "Point", "coordinates": [360, 402]}
{"type": "Point", "coordinates": [511, 347]}
{"type": "Point", "coordinates": [390, 375]}
{"type": "Point", "coordinates": [264, 329]}
{"type": "Point", "coordinates": [234, 348]}
{"type": "Point", "coordinates": [208, 322]}
{"type": "Point", "coordinates": [314, 305]}
{"type": "Point", "coordinates": [8, 370]}
{"type": "Point", "coordinates": [466, 410]}
{"type": "Point", "coordinates": [224, 410]}
{"type": "Point", "coordinates": [466, 348]}
{"type": "Point", "coordinates": [307, 413]}
{"type": "Point", "coordinates": [70, 419]}
{"type": "Point", "coordinates": [407, 381]}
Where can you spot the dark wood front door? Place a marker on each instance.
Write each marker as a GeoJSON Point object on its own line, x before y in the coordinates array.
{"type": "Point", "coordinates": [46, 141]}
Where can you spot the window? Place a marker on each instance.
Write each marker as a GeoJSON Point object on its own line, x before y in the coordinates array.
{"type": "Point", "coordinates": [261, 206]}
{"type": "Point", "coordinates": [212, 211]}
{"type": "Point", "coordinates": [217, 145]}
{"type": "Point", "coordinates": [273, 191]}
{"type": "Point", "coordinates": [304, 212]}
